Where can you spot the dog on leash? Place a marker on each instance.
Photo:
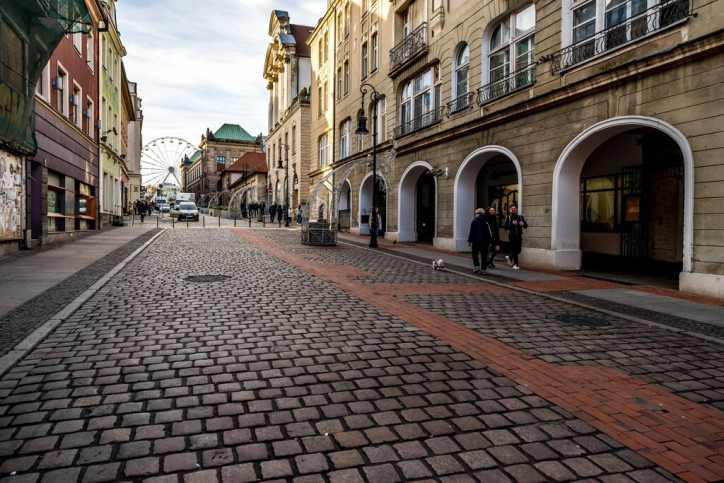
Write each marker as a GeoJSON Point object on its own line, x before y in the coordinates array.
{"type": "Point", "coordinates": [438, 264]}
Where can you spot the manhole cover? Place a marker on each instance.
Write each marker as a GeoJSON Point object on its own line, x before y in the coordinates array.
{"type": "Point", "coordinates": [582, 320]}
{"type": "Point", "coordinates": [206, 278]}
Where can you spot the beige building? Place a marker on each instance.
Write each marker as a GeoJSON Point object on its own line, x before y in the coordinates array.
{"type": "Point", "coordinates": [601, 120]}
{"type": "Point", "coordinates": [287, 72]}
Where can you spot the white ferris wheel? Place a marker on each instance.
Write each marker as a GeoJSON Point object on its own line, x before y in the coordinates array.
{"type": "Point", "coordinates": [161, 160]}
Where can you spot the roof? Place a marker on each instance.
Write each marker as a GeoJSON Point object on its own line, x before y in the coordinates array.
{"type": "Point", "coordinates": [233, 132]}
{"type": "Point", "coordinates": [301, 34]}
{"type": "Point", "coordinates": [194, 156]}
{"type": "Point", "coordinates": [255, 163]}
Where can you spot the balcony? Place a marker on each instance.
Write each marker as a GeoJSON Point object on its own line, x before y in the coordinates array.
{"type": "Point", "coordinates": [411, 47]}
{"type": "Point", "coordinates": [648, 22]}
{"type": "Point", "coordinates": [460, 103]}
{"type": "Point", "coordinates": [428, 119]}
{"type": "Point", "coordinates": [511, 82]}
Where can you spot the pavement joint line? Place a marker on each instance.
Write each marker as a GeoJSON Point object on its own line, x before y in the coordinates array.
{"type": "Point", "coordinates": [8, 360]}
{"type": "Point", "coordinates": [630, 318]}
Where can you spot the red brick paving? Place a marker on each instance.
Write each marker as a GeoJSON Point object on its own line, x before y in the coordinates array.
{"type": "Point", "coordinates": [681, 436]}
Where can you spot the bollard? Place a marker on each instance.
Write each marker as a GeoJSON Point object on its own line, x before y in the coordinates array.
{"type": "Point", "coordinates": [280, 221]}
{"type": "Point", "coordinates": [173, 222]}
{"type": "Point", "coordinates": [263, 220]}
{"type": "Point", "coordinates": [234, 220]}
{"type": "Point", "coordinates": [156, 222]}
{"type": "Point", "coordinates": [219, 220]}
{"type": "Point", "coordinates": [249, 221]}
{"type": "Point", "coordinates": [132, 217]}
{"type": "Point", "coordinates": [203, 221]}
{"type": "Point", "coordinates": [187, 222]}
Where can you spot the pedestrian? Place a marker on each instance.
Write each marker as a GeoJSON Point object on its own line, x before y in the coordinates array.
{"type": "Point", "coordinates": [142, 209]}
{"type": "Point", "coordinates": [290, 214]}
{"type": "Point", "coordinates": [272, 211]}
{"type": "Point", "coordinates": [491, 217]}
{"type": "Point", "coordinates": [515, 223]}
{"type": "Point", "coordinates": [299, 215]}
{"type": "Point", "coordinates": [478, 239]}
{"type": "Point", "coordinates": [376, 222]}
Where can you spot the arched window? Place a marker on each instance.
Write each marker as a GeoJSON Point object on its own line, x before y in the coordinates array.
{"type": "Point", "coordinates": [420, 102]}
{"type": "Point", "coordinates": [511, 61]}
{"type": "Point", "coordinates": [462, 85]}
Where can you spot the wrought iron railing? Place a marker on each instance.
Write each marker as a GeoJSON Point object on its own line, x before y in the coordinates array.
{"type": "Point", "coordinates": [413, 44]}
{"type": "Point", "coordinates": [659, 17]}
{"type": "Point", "coordinates": [428, 119]}
{"type": "Point", "coordinates": [509, 83]}
{"type": "Point", "coordinates": [460, 103]}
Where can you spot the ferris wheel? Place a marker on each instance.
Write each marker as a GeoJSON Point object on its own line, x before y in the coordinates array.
{"type": "Point", "coordinates": [161, 160]}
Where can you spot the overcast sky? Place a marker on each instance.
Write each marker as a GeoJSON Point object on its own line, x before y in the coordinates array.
{"type": "Point", "coordinates": [199, 64]}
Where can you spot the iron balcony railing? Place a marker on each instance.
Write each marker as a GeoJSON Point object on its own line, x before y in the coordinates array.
{"type": "Point", "coordinates": [460, 103]}
{"type": "Point", "coordinates": [509, 83]}
{"type": "Point", "coordinates": [654, 19]}
{"type": "Point", "coordinates": [409, 48]}
{"type": "Point", "coordinates": [428, 119]}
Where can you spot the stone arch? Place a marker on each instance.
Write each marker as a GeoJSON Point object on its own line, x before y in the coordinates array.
{"type": "Point", "coordinates": [406, 196]}
{"type": "Point", "coordinates": [565, 222]}
{"type": "Point", "coordinates": [465, 189]}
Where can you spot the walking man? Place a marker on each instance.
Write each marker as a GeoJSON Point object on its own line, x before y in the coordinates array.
{"type": "Point", "coordinates": [515, 224]}
{"type": "Point", "coordinates": [478, 239]}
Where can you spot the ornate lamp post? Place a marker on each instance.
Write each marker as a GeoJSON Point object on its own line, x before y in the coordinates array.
{"type": "Point", "coordinates": [286, 181]}
{"type": "Point", "coordinates": [362, 129]}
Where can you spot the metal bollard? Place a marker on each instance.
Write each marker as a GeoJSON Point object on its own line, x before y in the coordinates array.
{"type": "Point", "coordinates": [132, 218]}
{"type": "Point", "coordinates": [203, 221]}
{"type": "Point", "coordinates": [187, 222]}
{"type": "Point", "coordinates": [156, 222]}
{"type": "Point", "coordinates": [219, 220]}
{"type": "Point", "coordinates": [249, 221]}
{"type": "Point", "coordinates": [234, 220]}
{"type": "Point", "coordinates": [173, 222]}
{"type": "Point", "coordinates": [263, 220]}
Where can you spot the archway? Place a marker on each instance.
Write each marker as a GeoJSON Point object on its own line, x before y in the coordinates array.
{"type": "Point", "coordinates": [365, 204]}
{"type": "Point", "coordinates": [643, 165]}
{"type": "Point", "coordinates": [488, 175]}
{"type": "Point", "coordinates": [417, 205]}
{"type": "Point", "coordinates": [344, 216]}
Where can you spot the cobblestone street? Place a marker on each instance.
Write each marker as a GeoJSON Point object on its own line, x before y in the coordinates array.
{"type": "Point", "coordinates": [237, 354]}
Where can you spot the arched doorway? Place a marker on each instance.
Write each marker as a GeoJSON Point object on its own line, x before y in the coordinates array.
{"type": "Point", "coordinates": [623, 198]}
{"type": "Point", "coordinates": [417, 206]}
{"type": "Point", "coordinates": [345, 207]}
{"type": "Point", "coordinates": [365, 204]}
{"type": "Point", "coordinates": [488, 176]}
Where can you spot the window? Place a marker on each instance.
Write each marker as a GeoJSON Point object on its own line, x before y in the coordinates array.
{"type": "Point", "coordinates": [41, 88]}
{"type": "Point", "coordinates": [420, 102]}
{"type": "Point", "coordinates": [324, 151]}
{"type": "Point", "coordinates": [364, 60]}
{"type": "Point", "coordinates": [381, 119]}
{"type": "Point", "coordinates": [89, 54]}
{"type": "Point", "coordinates": [320, 100]}
{"type": "Point", "coordinates": [346, 19]}
{"type": "Point", "coordinates": [61, 87]}
{"type": "Point", "coordinates": [78, 43]}
{"type": "Point", "coordinates": [12, 62]}
{"type": "Point", "coordinates": [601, 203]}
{"type": "Point", "coordinates": [339, 83]}
{"type": "Point", "coordinates": [220, 163]}
{"type": "Point", "coordinates": [294, 139]}
{"type": "Point", "coordinates": [320, 52]}
{"type": "Point", "coordinates": [88, 117]}
{"type": "Point", "coordinates": [340, 26]}
{"type": "Point", "coordinates": [374, 53]}
{"type": "Point", "coordinates": [325, 94]}
{"type": "Point", "coordinates": [512, 56]}
{"type": "Point", "coordinates": [461, 66]}
{"type": "Point", "coordinates": [326, 46]}
{"type": "Point", "coordinates": [346, 77]}
{"type": "Point", "coordinates": [103, 53]}
{"type": "Point", "coordinates": [344, 139]}
{"type": "Point", "coordinates": [76, 109]}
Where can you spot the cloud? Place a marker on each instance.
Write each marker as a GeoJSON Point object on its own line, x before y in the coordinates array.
{"type": "Point", "coordinates": [200, 64]}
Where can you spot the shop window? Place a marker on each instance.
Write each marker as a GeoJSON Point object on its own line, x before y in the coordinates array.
{"type": "Point", "coordinates": [601, 204]}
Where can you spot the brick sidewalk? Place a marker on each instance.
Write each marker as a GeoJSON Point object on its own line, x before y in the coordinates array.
{"type": "Point", "coordinates": [341, 364]}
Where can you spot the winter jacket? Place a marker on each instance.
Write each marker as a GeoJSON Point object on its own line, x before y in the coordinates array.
{"type": "Point", "coordinates": [479, 230]}
{"type": "Point", "coordinates": [492, 221]}
{"type": "Point", "coordinates": [515, 230]}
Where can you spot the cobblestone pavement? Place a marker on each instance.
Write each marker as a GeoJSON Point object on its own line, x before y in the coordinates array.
{"type": "Point", "coordinates": [237, 354]}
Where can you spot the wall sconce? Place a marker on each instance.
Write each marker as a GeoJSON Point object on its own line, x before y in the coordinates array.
{"type": "Point", "coordinates": [104, 138]}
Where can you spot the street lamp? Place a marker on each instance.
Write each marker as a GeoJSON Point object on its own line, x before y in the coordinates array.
{"type": "Point", "coordinates": [362, 129]}
{"type": "Point", "coordinates": [286, 180]}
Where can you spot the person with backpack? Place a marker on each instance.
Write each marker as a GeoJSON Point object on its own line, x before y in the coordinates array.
{"type": "Point", "coordinates": [515, 224]}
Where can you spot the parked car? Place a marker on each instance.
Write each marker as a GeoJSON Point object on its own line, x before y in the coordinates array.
{"type": "Point", "coordinates": [166, 208]}
{"type": "Point", "coordinates": [187, 210]}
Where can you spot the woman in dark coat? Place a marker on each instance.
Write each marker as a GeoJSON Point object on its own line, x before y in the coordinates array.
{"type": "Point", "coordinates": [492, 219]}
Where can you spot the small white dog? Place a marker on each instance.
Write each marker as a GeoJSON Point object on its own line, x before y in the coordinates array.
{"type": "Point", "coordinates": [438, 264]}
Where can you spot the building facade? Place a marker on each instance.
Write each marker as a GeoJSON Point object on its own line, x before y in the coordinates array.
{"type": "Point", "coordinates": [132, 142]}
{"type": "Point", "coordinates": [217, 151]}
{"type": "Point", "coordinates": [287, 70]}
{"type": "Point", "coordinates": [600, 121]}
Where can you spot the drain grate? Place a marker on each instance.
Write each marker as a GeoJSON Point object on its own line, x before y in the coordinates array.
{"type": "Point", "coordinates": [206, 278]}
{"type": "Point", "coordinates": [582, 320]}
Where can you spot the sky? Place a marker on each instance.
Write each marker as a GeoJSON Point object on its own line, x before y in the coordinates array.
{"type": "Point", "coordinates": [200, 64]}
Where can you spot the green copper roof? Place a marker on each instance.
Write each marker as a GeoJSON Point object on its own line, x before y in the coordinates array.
{"type": "Point", "coordinates": [195, 156]}
{"type": "Point", "coordinates": [233, 132]}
